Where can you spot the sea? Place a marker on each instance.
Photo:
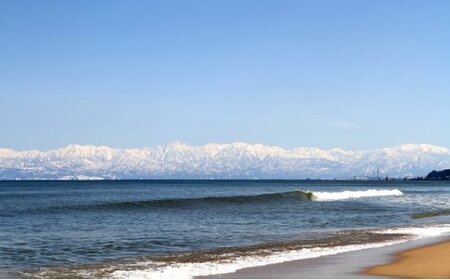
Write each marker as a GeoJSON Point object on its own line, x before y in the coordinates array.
{"type": "Point", "coordinates": [188, 228]}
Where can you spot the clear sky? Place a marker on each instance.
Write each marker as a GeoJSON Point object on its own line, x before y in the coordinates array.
{"type": "Point", "coordinates": [350, 74]}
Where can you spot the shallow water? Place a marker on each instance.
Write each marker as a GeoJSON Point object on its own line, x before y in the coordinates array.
{"type": "Point", "coordinates": [55, 229]}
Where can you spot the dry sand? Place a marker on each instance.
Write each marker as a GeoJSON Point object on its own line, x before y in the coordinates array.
{"type": "Point", "coordinates": [432, 261]}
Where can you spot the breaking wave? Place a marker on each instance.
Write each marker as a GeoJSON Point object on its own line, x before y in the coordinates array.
{"type": "Point", "coordinates": [226, 260]}
{"type": "Point", "coordinates": [323, 196]}
{"type": "Point", "coordinates": [291, 196]}
{"type": "Point", "coordinates": [189, 202]}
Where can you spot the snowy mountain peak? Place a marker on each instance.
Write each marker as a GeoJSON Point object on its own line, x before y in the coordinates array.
{"type": "Point", "coordinates": [423, 148]}
{"type": "Point", "coordinates": [234, 160]}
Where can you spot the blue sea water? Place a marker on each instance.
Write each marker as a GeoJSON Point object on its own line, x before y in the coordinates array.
{"type": "Point", "coordinates": [98, 228]}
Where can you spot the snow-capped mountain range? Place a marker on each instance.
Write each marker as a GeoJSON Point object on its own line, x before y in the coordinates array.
{"type": "Point", "coordinates": [220, 161]}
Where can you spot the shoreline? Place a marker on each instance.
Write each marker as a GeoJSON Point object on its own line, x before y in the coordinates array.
{"type": "Point", "coordinates": [428, 261]}
{"type": "Point", "coordinates": [344, 265]}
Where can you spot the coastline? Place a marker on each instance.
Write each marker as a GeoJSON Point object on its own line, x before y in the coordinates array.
{"type": "Point", "coordinates": [344, 265]}
{"type": "Point", "coordinates": [429, 261]}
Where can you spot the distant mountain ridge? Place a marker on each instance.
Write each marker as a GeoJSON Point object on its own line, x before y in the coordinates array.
{"type": "Point", "coordinates": [220, 161]}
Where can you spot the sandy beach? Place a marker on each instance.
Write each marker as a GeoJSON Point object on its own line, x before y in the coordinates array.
{"type": "Point", "coordinates": [431, 261]}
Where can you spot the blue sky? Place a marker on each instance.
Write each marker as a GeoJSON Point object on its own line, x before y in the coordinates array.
{"type": "Point", "coordinates": [349, 74]}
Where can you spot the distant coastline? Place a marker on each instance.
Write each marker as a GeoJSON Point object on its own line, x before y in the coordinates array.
{"type": "Point", "coordinates": [442, 175]}
{"type": "Point", "coordinates": [163, 180]}
{"type": "Point", "coordinates": [438, 175]}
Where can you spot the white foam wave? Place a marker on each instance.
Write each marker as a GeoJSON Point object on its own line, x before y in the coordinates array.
{"type": "Point", "coordinates": [420, 232]}
{"type": "Point", "coordinates": [326, 196]}
{"type": "Point", "coordinates": [190, 270]}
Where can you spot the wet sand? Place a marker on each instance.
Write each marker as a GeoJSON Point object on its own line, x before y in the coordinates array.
{"type": "Point", "coordinates": [340, 266]}
{"type": "Point", "coordinates": [432, 261]}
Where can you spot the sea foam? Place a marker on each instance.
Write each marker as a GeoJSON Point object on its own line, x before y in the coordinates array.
{"type": "Point", "coordinates": [191, 270]}
{"type": "Point", "coordinates": [325, 196]}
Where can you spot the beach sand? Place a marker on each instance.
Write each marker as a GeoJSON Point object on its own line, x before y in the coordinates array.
{"type": "Point", "coordinates": [432, 261]}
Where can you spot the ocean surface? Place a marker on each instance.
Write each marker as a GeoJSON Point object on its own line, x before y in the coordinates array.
{"type": "Point", "coordinates": [183, 229]}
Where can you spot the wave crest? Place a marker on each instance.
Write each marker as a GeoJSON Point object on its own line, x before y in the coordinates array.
{"type": "Point", "coordinates": [290, 196]}
{"type": "Point", "coordinates": [189, 265]}
{"type": "Point", "coordinates": [327, 196]}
